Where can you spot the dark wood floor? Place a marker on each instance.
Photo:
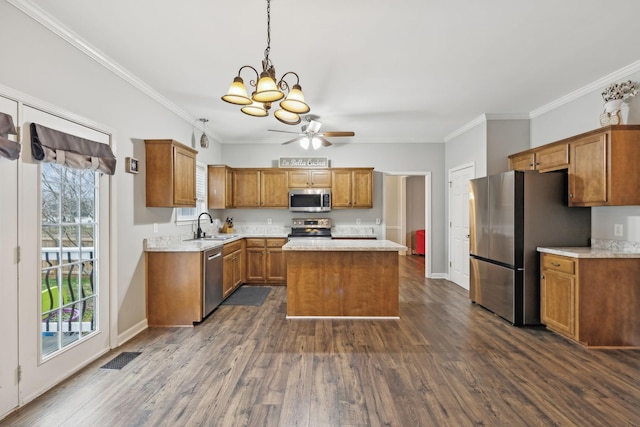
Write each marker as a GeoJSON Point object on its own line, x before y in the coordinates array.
{"type": "Point", "coordinates": [446, 362]}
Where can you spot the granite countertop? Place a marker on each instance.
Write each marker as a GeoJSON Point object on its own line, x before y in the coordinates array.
{"type": "Point", "coordinates": [342, 245]}
{"type": "Point", "coordinates": [589, 252]}
{"type": "Point", "coordinates": [186, 244]}
{"type": "Point", "coordinates": [600, 248]}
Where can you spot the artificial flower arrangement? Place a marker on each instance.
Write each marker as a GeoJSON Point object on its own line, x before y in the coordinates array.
{"type": "Point", "coordinates": [622, 91]}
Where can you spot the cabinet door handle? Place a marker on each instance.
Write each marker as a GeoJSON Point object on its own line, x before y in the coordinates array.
{"type": "Point", "coordinates": [571, 195]}
{"type": "Point", "coordinates": [555, 264]}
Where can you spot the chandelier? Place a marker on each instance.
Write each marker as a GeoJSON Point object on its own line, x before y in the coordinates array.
{"type": "Point", "coordinates": [268, 90]}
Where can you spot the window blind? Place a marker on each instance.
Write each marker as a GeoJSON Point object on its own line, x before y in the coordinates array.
{"type": "Point", "coordinates": [53, 146]}
{"type": "Point", "coordinates": [8, 148]}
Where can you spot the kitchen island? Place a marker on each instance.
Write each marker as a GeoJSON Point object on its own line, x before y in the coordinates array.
{"type": "Point", "coordinates": [342, 278]}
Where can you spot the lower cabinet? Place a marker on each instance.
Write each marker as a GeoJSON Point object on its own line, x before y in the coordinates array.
{"type": "Point", "coordinates": [174, 288]}
{"type": "Point", "coordinates": [233, 267]}
{"type": "Point", "coordinates": [594, 301]}
{"type": "Point", "coordinates": [265, 261]}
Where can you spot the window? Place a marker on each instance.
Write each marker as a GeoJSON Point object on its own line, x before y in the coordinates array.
{"type": "Point", "coordinates": [191, 214]}
{"type": "Point", "coordinates": [68, 257]}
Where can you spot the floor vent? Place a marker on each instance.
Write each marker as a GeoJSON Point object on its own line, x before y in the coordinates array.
{"type": "Point", "coordinates": [121, 360]}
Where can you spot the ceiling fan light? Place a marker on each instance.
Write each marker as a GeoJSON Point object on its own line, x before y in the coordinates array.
{"type": "Point", "coordinates": [316, 143]}
{"type": "Point", "coordinates": [294, 102]}
{"type": "Point", "coordinates": [267, 90]}
{"type": "Point", "coordinates": [237, 93]}
{"type": "Point", "coordinates": [304, 143]}
{"type": "Point", "coordinates": [287, 117]}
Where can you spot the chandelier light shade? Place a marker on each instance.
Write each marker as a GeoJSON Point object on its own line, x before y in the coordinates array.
{"type": "Point", "coordinates": [237, 93]}
{"type": "Point", "coordinates": [268, 89]}
{"type": "Point", "coordinates": [294, 102]}
{"type": "Point", "coordinates": [287, 117]}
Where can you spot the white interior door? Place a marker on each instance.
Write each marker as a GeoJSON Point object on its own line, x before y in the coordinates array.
{"type": "Point", "coordinates": [9, 268]}
{"type": "Point", "coordinates": [459, 224]}
{"type": "Point", "coordinates": [41, 369]}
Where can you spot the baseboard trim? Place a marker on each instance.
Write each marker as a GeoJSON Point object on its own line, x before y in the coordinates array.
{"type": "Point", "coordinates": [132, 332]}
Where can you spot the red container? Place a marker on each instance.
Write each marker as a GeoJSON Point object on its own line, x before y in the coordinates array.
{"type": "Point", "coordinates": [420, 242]}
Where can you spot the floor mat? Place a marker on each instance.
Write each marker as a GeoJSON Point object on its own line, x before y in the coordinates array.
{"type": "Point", "coordinates": [121, 360]}
{"type": "Point", "coordinates": [248, 295]}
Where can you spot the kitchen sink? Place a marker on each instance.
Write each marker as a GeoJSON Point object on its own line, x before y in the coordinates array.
{"type": "Point", "coordinates": [218, 237]}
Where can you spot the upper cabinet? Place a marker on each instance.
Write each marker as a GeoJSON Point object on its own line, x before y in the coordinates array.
{"type": "Point", "coordinates": [310, 178]}
{"type": "Point", "coordinates": [603, 169]}
{"type": "Point", "coordinates": [219, 187]}
{"type": "Point", "coordinates": [352, 188]}
{"type": "Point", "coordinates": [548, 158]}
{"type": "Point", "coordinates": [601, 165]}
{"type": "Point", "coordinates": [170, 174]}
{"type": "Point", "coordinates": [260, 188]}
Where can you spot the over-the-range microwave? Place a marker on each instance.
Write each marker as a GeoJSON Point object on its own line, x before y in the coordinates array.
{"type": "Point", "coordinates": [310, 200]}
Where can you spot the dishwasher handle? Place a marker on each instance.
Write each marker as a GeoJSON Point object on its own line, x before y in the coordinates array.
{"type": "Point", "coordinates": [216, 255]}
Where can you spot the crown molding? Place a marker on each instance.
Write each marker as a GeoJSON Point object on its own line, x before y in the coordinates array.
{"type": "Point", "coordinates": [56, 27]}
{"type": "Point", "coordinates": [595, 86]}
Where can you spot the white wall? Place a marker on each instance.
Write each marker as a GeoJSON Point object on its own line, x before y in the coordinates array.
{"type": "Point", "coordinates": [505, 137]}
{"type": "Point", "coordinates": [582, 115]}
{"type": "Point", "coordinates": [45, 67]}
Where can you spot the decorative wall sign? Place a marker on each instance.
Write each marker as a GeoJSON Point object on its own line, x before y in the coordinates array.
{"type": "Point", "coordinates": [304, 162]}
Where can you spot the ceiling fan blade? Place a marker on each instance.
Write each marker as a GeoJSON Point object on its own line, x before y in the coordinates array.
{"type": "Point", "coordinates": [283, 131]}
{"type": "Point", "coordinates": [334, 134]}
{"type": "Point", "coordinates": [290, 141]}
{"type": "Point", "coordinates": [325, 141]}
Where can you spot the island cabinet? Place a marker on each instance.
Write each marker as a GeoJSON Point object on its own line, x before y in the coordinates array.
{"type": "Point", "coordinates": [170, 174]}
{"type": "Point", "coordinates": [594, 301]}
{"type": "Point", "coordinates": [311, 178]}
{"type": "Point", "coordinates": [260, 188]}
{"type": "Point", "coordinates": [233, 262]}
{"type": "Point", "coordinates": [174, 288]}
{"type": "Point", "coordinates": [265, 261]}
{"type": "Point", "coordinates": [352, 188]}
{"type": "Point", "coordinates": [220, 187]}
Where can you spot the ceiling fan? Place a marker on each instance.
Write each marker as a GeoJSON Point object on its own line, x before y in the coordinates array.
{"type": "Point", "coordinates": [311, 135]}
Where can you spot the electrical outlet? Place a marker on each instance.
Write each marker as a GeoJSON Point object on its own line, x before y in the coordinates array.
{"type": "Point", "coordinates": [155, 227]}
{"type": "Point", "coordinates": [618, 230]}
{"type": "Point", "coordinates": [377, 221]}
{"type": "Point", "coordinates": [269, 221]}
{"type": "Point", "coordinates": [358, 221]}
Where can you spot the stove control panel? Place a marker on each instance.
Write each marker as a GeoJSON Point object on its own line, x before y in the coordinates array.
{"type": "Point", "coordinates": [311, 223]}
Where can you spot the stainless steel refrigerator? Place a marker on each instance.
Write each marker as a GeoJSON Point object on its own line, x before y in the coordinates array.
{"type": "Point", "coordinates": [511, 214]}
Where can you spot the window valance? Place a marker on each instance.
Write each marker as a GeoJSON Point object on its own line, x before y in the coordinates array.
{"type": "Point", "coordinates": [53, 146]}
{"type": "Point", "coordinates": [9, 149]}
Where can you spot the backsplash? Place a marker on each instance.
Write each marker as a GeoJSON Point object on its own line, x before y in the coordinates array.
{"type": "Point", "coordinates": [616, 245]}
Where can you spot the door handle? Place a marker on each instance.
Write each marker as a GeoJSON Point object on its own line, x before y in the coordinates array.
{"type": "Point", "coordinates": [467, 236]}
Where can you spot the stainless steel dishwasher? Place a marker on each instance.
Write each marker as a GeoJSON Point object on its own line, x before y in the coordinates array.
{"type": "Point", "coordinates": [212, 283]}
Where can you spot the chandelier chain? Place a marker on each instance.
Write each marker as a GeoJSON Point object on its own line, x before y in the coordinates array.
{"type": "Point", "coordinates": [268, 49]}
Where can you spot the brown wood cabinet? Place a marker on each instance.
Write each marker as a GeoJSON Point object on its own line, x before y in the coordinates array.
{"type": "Point", "coordinates": [170, 174]}
{"type": "Point", "coordinates": [260, 188]}
{"type": "Point", "coordinates": [174, 288]}
{"type": "Point", "coordinates": [601, 165]}
{"type": "Point", "coordinates": [233, 266]}
{"type": "Point", "coordinates": [604, 169]}
{"type": "Point", "coordinates": [304, 178]}
{"type": "Point", "coordinates": [265, 261]}
{"type": "Point", "coordinates": [595, 301]}
{"type": "Point", "coordinates": [547, 158]}
{"type": "Point", "coordinates": [352, 188]}
{"type": "Point", "coordinates": [219, 187]}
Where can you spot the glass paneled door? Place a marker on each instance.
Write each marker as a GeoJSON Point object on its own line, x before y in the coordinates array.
{"type": "Point", "coordinates": [64, 270]}
{"type": "Point", "coordinates": [9, 268]}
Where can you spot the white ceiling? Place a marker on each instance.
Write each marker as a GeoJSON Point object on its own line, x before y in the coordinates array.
{"type": "Point", "coordinates": [393, 71]}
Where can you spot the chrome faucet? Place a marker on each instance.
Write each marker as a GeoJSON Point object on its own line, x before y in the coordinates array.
{"type": "Point", "coordinates": [199, 233]}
